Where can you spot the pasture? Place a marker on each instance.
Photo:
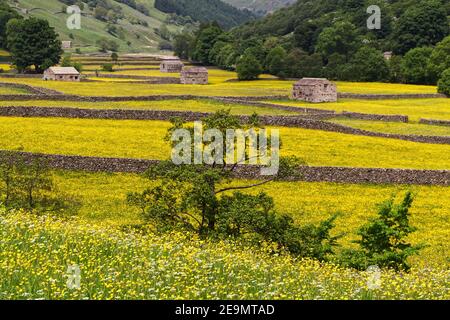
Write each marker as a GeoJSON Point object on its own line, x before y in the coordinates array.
{"type": "Point", "coordinates": [125, 263]}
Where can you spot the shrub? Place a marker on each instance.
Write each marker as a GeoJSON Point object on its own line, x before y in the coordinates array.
{"type": "Point", "coordinates": [108, 67]}
{"type": "Point", "coordinates": [383, 241]}
{"type": "Point", "coordinates": [165, 45]}
{"type": "Point", "coordinates": [107, 45]}
{"type": "Point", "coordinates": [444, 83]}
{"type": "Point", "coordinates": [67, 62]}
{"type": "Point", "coordinates": [114, 57]}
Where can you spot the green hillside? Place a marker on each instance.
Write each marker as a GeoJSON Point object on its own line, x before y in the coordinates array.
{"type": "Point", "coordinates": [206, 11]}
{"type": "Point", "coordinates": [260, 7]}
{"type": "Point", "coordinates": [137, 32]}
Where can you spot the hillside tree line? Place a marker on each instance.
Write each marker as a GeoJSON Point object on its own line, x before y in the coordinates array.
{"type": "Point", "coordinates": [330, 39]}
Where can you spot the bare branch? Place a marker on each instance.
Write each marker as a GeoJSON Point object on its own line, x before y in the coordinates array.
{"type": "Point", "coordinates": [246, 187]}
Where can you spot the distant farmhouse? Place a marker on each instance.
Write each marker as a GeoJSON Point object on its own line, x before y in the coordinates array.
{"type": "Point", "coordinates": [194, 75]}
{"type": "Point", "coordinates": [171, 66]}
{"type": "Point", "coordinates": [315, 90]}
{"type": "Point", "coordinates": [62, 74]}
{"type": "Point", "coordinates": [388, 55]}
{"type": "Point", "coordinates": [66, 44]}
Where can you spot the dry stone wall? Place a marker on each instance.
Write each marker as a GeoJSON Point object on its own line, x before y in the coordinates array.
{"type": "Point", "coordinates": [310, 174]}
{"type": "Point", "coordinates": [375, 117]}
{"type": "Point", "coordinates": [435, 122]}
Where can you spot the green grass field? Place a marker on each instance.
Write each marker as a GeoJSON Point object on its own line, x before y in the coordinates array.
{"type": "Point", "coordinates": [144, 139]}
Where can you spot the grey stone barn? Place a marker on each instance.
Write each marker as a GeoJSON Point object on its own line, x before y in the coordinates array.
{"type": "Point", "coordinates": [62, 74]}
{"type": "Point", "coordinates": [171, 66]}
{"type": "Point", "coordinates": [315, 90]}
{"type": "Point", "coordinates": [194, 75]}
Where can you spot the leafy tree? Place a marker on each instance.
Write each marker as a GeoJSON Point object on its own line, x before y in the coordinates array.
{"type": "Point", "coordinates": [6, 14]}
{"type": "Point", "coordinates": [32, 42]}
{"type": "Point", "coordinates": [248, 67]}
{"type": "Point", "coordinates": [395, 69]}
{"type": "Point", "coordinates": [340, 38]}
{"type": "Point", "coordinates": [202, 198]}
{"type": "Point", "coordinates": [165, 45]}
{"type": "Point", "coordinates": [370, 65]}
{"type": "Point", "coordinates": [205, 40]}
{"type": "Point", "coordinates": [114, 57]}
{"type": "Point", "coordinates": [440, 57]}
{"type": "Point", "coordinates": [101, 13]}
{"type": "Point", "coordinates": [214, 53]}
{"type": "Point", "coordinates": [108, 67]}
{"type": "Point", "coordinates": [28, 184]}
{"type": "Point", "coordinates": [299, 64]}
{"type": "Point", "coordinates": [415, 66]}
{"type": "Point", "coordinates": [107, 45]}
{"type": "Point", "coordinates": [164, 32]}
{"type": "Point", "coordinates": [444, 83]}
{"type": "Point", "coordinates": [422, 24]}
{"type": "Point", "coordinates": [182, 45]}
{"type": "Point", "coordinates": [227, 57]}
{"type": "Point", "coordinates": [335, 67]}
{"type": "Point", "coordinates": [383, 240]}
{"type": "Point", "coordinates": [276, 61]}
{"type": "Point", "coordinates": [67, 62]}
{"type": "Point", "coordinates": [306, 35]}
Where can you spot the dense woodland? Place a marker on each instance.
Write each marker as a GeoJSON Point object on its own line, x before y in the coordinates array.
{"type": "Point", "coordinates": [206, 11]}
{"type": "Point", "coordinates": [260, 7]}
{"type": "Point", "coordinates": [330, 38]}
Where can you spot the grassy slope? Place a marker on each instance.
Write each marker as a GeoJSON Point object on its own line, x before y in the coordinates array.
{"type": "Point", "coordinates": [93, 29]}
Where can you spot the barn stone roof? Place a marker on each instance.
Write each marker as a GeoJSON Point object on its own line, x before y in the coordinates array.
{"type": "Point", "coordinates": [64, 70]}
{"type": "Point", "coordinates": [195, 70]}
{"type": "Point", "coordinates": [172, 62]}
{"type": "Point", "coordinates": [313, 81]}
